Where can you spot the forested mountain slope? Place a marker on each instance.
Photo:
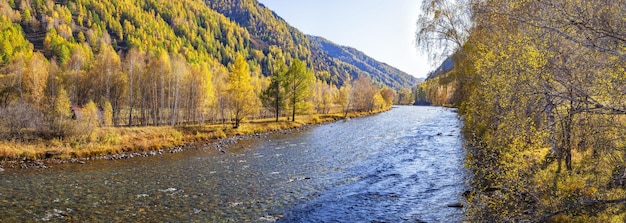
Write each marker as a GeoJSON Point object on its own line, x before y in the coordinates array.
{"type": "Point", "coordinates": [161, 62]}
{"type": "Point", "coordinates": [188, 27]}
{"type": "Point", "coordinates": [332, 65]}
{"type": "Point", "coordinates": [380, 72]}
{"type": "Point", "coordinates": [446, 66]}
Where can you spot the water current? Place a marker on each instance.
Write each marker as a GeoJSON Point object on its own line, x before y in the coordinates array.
{"type": "Point", "coordinates": [404, 165]}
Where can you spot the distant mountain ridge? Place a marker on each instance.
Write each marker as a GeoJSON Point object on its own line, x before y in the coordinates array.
{"type": "Point", "coordinates": [446, 66]}
{"type": "Point", "coordinates": [269, 29]}
{"type": "Point", "coordinates": [378, 71]}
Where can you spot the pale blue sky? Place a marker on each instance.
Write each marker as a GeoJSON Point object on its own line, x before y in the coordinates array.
{"type": "Point", "coordinates": [384, 30]}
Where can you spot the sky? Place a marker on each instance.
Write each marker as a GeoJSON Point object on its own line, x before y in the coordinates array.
{"type": "Point", "coordinates": [384, 30]}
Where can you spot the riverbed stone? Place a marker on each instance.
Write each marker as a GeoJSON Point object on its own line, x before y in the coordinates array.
{"type": "Point", "coordinates": [455, 205]}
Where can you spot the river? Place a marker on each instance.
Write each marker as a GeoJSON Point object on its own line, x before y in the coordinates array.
{"type": "Point", "coordinates": [404, 165]}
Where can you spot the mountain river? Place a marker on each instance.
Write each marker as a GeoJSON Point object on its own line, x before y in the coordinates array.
{"type": "Point", "coordinates": [404, 165]}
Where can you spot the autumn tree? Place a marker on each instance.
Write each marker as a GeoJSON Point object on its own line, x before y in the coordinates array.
{"type": "Point", "coordinates": [324, 95]}
{"type": "Point", "coordinates": [61, 114]}
{"type": "Point", "coordinates": [363, 94]}
{"type": "Point", "coordinates": [20, 120]}
{"type": "Point", "coordinates": [344, 97]}
{"type": "Point", "coordinates": [107, 113]}
{"type": "Point", "coordinates": [89, 117]}
{"type": "Point", "coordinates": [180, 71]}
{"type": "Point", "coordinates": [220, 81]}
{"type": "Point", "coordinates": [240, 90]}
{"type": "Point", "coordinates": [388, 96]}
{"type": "Point", "coordinates": [405, 96]}
{"type": "Point", "coordinates": [134, 65]}
{"type": "Point", "coordinates": [199, 92]}
{"type": "Point", "coordinates": [542, 81]}
{"type": "Point", "coordinates": [421, 96]}
{"type": "Point", "coordinates": [77, 79]}
{"type": "Point", "coordinates": [111, 81]}
{"type": "Point", "coordinates": [443, 27]}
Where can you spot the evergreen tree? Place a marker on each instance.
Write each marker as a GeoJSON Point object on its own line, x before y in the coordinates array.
{"type": "Point", "coordinates": [297, 83]}
{"type": "Point", "coordinates": [273, 98]}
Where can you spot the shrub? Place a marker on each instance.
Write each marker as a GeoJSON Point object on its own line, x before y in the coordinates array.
{"type": "Point", "coordinates": [20, 121]}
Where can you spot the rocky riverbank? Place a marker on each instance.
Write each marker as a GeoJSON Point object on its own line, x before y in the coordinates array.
{"type": "Point", "coordinates": [219, 144]}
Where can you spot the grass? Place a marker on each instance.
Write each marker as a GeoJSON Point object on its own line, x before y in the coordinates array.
{"type": "Point", "coordinates": [118, 140]}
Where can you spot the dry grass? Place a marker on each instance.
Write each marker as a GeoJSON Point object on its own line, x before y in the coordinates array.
{"type": "Point", "coordinates": [108, 141]}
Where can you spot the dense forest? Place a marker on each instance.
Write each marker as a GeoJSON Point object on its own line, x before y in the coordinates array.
{"type": "Point", "coordinates": [540, 87]}
{"type": "Point", "coordinates": [70, 66]}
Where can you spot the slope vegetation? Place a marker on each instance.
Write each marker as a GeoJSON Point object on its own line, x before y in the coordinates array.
{"type": "Point", "coordinates": [335, 63]}
{"type": "Point", "coordinates": [378, 71]}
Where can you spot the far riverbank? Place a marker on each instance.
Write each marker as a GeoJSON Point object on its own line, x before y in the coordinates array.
{"type": "Point", "coordinates": [116, 143]}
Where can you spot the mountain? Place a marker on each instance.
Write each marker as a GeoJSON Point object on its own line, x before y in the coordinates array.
{"type": "Point", "coordinates": [446, 66]}
{"type": "Point", "coordinates": [211, 31]}
{"type": "Point", "coordinates": [378, 71]}
{"type": "Point", "coordinates": [334, 63]}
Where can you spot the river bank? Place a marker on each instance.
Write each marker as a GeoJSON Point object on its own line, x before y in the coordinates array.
{"type": "Point", "coordinates": [116, 143]}
{"type": "Point", "coordinates": [380, 168]}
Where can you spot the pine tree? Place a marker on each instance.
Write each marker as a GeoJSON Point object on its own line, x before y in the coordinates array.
{"type": "Point", "coordinates": [297, 83]}
{"type": "Point", "coordinates": [273, 98]}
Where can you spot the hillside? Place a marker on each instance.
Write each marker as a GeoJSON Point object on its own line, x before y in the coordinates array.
{"type": "Point", "coordinates": [445, 67]}
{"type": "Point", "coordinates": [158, 62]}
{"type": "Point", "coordinates": [210, 31]}
{"type": "Point", "coordinates": [332, 65]}
{"type": "Point", "coordinates": [378, 71]}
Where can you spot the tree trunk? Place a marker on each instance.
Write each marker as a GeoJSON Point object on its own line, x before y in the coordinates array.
{"type": "Point", "coordinates": [293, 114]}
{"type": "Point", "coordinates": [554, 146]}
{"type": "Point", "coordinates": [130, 100]}
{"type": "Point", "coordinates": [277, 99]}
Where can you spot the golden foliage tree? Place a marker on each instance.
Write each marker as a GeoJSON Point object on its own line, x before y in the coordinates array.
{"type": "Point", "coordinates": [61, 113]}
{"type": "Point", "coordinates": [89, 117]}
{"type": "Point", "coordinates": [542, 86]}
{"type": "Point", "coordinates": [241, 94]}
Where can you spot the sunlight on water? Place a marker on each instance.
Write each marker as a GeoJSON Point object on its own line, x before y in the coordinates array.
{"type": "Point", "coordinates": [399, 166]}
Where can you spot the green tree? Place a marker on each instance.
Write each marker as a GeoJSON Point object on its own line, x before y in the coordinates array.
{"type": "Point", "coordinates": [421, 97]}
{"type": "Point", "coordinates": [297, 83]}
{"type": "Point", "coordinates": [273, 97]}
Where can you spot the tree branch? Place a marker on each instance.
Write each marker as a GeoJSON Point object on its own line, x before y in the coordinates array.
{"type": "Point", "coordinates": [582, 204]}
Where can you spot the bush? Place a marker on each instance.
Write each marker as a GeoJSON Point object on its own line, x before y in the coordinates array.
{"type": "Point", "coordinates": [20, 121]}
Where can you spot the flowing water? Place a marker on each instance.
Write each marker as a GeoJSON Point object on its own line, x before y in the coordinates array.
{"type": "Point", "coordinates": [404, 165]}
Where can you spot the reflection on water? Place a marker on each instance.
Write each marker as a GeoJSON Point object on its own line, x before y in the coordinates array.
{"type": "Point", "coordinates": [402, 165]}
